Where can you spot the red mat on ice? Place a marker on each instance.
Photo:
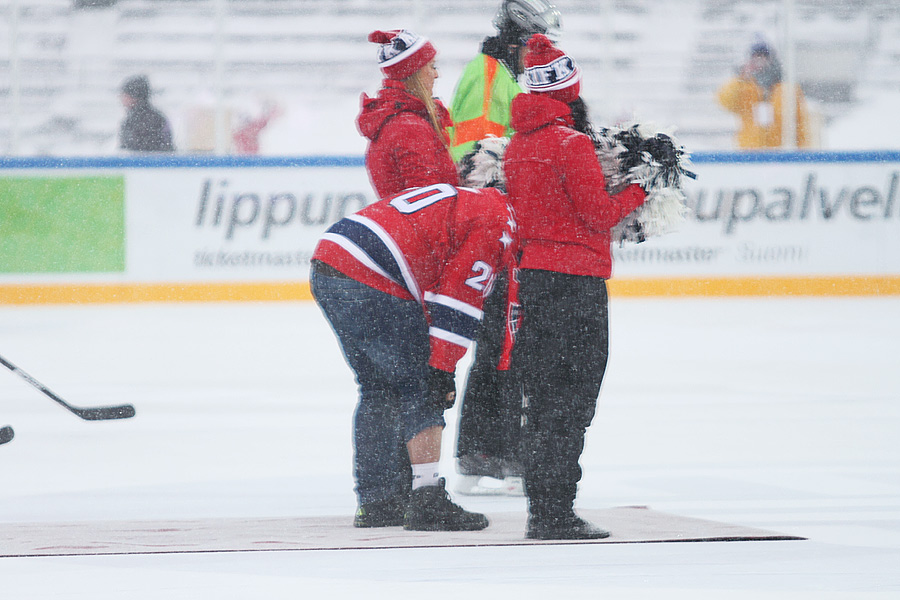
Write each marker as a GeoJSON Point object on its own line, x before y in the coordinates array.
{"type": "Point", "coordinates": [627, 524]}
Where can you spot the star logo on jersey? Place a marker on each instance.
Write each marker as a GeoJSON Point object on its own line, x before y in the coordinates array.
{"type": "Point", "coordinates": [506, 239]}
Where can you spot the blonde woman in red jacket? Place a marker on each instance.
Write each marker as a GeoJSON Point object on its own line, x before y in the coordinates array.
{"type": "Point", "coordinates": [564, 216]}
{"type": "Point", "coordinates": [406, 127]}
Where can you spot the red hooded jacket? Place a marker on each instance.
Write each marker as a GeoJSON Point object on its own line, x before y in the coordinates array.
{"type": "Point", "coordinates": [404, 149]}
{"type": "Point", "coordinates": [558, 191]}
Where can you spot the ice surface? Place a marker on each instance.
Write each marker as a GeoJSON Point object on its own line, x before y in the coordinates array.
{"type": "Point", "coordinates": [780, 414]}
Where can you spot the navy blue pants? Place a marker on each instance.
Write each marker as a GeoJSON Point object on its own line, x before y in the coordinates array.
{"type": "Point", "coordinates": [385, 341]}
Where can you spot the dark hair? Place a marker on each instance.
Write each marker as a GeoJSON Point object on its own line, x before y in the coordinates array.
{"type": "Point", "coordinates": [582, 120]}
{"type": "Point", "coordinates": [506, 50]}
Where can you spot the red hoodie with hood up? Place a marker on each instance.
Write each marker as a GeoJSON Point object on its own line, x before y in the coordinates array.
{"type": "Point", "coordinates": [557, 189]}
{"type": "Point", "coordinates": [404, 149]}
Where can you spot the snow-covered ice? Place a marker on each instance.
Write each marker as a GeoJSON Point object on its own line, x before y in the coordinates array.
{"type": "Point", "coordinates": [777, 413]}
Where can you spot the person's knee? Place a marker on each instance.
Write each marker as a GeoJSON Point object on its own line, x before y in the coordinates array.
{"type": "Point", "coordinates": [421, 417]}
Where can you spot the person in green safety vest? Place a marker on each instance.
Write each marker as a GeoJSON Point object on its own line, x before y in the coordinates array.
{"type": "Point", "coordinates": [490, 421]}
{"type": "Point", "coordinates": [489, 82]}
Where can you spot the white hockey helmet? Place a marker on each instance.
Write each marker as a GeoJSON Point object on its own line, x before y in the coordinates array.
{"type": "Point", "coordinates": [527, 17]}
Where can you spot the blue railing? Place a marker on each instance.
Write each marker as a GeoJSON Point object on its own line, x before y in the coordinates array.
{"type": "Point", "coordinates": [177, 161]}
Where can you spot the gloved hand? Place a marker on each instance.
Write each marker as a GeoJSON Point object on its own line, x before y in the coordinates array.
{"type": "Point", "coordinates": [441, 388]}
{"type": "Point", "coordinates": [661, 149]}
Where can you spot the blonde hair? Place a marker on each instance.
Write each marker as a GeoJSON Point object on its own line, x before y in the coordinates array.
{"type": "Point", "coordinates": [417, 88]}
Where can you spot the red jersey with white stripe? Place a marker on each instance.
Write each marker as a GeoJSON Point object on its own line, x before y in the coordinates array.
{"type": "Point", "coordinates": [439, 245]}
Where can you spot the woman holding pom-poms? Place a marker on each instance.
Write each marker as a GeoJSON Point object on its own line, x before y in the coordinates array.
{"type": "Point", "coordinates": [564, 215]}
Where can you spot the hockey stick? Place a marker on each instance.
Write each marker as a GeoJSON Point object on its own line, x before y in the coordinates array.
{"type": "Point", "coordinates": [100, 413]}
{"type": "Point", "coordinates": [6, 434]}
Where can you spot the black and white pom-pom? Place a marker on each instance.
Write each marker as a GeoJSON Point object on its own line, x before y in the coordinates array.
{"type": "Point", "coordinates": [652, 159]}
{"type": "Point", "coordinates": [483, 166]}
{"type": "Point", "coordinates": [634, 154]}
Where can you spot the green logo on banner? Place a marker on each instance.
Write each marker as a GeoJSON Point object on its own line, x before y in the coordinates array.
{"type": "Point", "coordinates": [62, 224]}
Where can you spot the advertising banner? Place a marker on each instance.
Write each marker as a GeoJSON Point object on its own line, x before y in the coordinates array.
{"type": "Point", "coordinates": [235, 224]}
{"type": "Point", "coordinates": [147, 227]}
{"type": "Point", "coordinates": [69, 224]}
{"type": "Point", "coordinates": [773, 218]}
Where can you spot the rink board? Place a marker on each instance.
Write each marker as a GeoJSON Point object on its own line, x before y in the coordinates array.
{"type": "Point", "coordinates": [627, 524]}
{"type": "Point", "coordinates": [245, 228]}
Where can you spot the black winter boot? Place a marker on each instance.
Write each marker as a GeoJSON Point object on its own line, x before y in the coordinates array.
{"type": "Point", "coordinates": [430, 509]}
{"type": "Point", "coordinates": [567, 526]}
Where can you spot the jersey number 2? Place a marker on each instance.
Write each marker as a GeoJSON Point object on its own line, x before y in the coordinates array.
{"type": "Point", "coordinates": [482, 275]}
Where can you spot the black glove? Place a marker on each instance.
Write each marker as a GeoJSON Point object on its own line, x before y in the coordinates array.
{"type": "Point", "coordinates": [661, 149]}
{"type": "Point", "coordinates": [441, 388]}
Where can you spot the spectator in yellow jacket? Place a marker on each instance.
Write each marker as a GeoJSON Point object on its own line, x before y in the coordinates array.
{"type": "Point", "coordinates": [755, 95]}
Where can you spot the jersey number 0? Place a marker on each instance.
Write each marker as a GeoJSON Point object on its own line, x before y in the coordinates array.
{"type": "Point", "coordinates": [423, 197]}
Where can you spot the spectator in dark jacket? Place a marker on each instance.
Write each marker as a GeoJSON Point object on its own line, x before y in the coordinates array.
{"type": "Point", "coordinates": [145, 128]}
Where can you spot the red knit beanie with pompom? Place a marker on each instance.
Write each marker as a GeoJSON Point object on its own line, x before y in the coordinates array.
{"type": "Point", "coordinates": [550, 71]}
{"type": "Point", "coordinates": [401, 52]}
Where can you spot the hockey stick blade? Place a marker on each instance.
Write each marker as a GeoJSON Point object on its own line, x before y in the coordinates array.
{"type": "Point", "coordinates": [100, 413]}
{"type": "Point", "coordinates": [104, 413]}
{"type": "Point", "coordinates": [6, 434]}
